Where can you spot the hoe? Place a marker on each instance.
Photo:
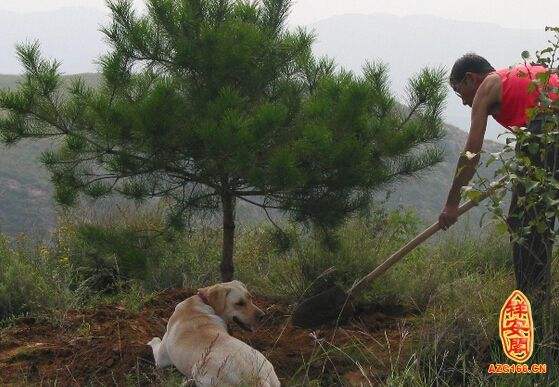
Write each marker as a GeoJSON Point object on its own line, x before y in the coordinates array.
{"type": "Point", "coordinates": [335, 304]}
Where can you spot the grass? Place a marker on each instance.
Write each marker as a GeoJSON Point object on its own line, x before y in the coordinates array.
{"type": "Point", "coordinates": [32, 282]}
{"type": "Point", "coordinates": [455, 287]}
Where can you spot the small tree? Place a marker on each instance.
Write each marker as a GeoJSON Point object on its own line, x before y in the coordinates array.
{"type": "Point", "coordinates": [206, 102]}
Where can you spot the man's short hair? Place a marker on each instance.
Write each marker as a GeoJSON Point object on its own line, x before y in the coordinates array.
{"type": "Point", "coordinates": [469, 62]}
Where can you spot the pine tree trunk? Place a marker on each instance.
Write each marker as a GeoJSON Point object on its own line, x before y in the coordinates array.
{"type": "Point", "coordinates": [226, 267]}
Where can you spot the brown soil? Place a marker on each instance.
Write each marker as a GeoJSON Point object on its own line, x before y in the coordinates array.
{"type": "Point", "coordinates": [107, 346]}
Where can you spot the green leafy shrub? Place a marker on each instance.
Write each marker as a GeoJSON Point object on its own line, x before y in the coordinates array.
{"type": "Point", "coordinates": [363, 243]}
{"type": "Point", "coordinates": [31, 281]}
{"type": "Point", "coordinates": [107, 255]}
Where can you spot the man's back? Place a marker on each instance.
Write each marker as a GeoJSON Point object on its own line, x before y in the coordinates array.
{"type": "Point", "coordinates": [515, 95]}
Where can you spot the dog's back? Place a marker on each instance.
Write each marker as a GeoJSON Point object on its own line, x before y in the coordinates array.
{"type": "Point", "coordinates": [231, 362]}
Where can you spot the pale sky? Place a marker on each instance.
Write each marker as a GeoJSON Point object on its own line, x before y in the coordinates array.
{"type": "Point", "coordinates": [507, 13]}
{"type": "Point", "coordinates": [517, 14]}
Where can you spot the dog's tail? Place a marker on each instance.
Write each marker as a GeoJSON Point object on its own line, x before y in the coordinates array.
{"type": "Point", "coordinates": [154, 343]}
{"type": "Point", "coordinates": [159, 353]}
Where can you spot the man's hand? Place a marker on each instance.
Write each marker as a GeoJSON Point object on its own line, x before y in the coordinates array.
{"type": "Point", "coordinates": [448, 216]}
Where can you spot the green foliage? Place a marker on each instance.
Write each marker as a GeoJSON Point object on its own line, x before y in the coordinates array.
{"type": "Point", "coordinates": [112, 255]}
{"type": "Point", "coordinates": [105, 256]}
{"type": "Point", "coordinates": [31, 281]}
{"type": "Point", "coordinates": [209, 99]}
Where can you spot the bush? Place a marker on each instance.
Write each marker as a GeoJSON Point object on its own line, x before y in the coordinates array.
{"type": "Point", "coordinates": [105, 256]}
{"type": "Point", "coordinates": [190, 260]}
{"type": "Point", "coordinates": [362, 245]}
{"type": "Point", "coordinates": [108, 251]}
{"type": "Point", "coordinates": [135, 247]}
{"type": "Point", "coordinates": [457, 334]}
{"type": "Point", "coordinates": [30, 281]}
{"type": "Point", "coordinates": [267, 259]}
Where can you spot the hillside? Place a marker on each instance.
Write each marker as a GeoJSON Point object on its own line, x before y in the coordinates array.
{"type": "Point", "coordinates": [26, 203]}
{"type": "Point", "coordinates": [31, 345]}
{"type": "Point", "coordinates": [82, 303]}
{"type": "Point", "coordinates": [25, 191]}
{"type": "Point", "coordinates": [426, 193]}
{"type": "Point", "coordinates": [71, 329]}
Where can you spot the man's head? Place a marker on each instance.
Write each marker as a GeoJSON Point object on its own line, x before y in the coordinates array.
{"type": "Point", "coordinates": [467, 74]}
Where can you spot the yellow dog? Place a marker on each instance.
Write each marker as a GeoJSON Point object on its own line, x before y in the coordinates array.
{"type": "Point", "coordinates": [198, 344]}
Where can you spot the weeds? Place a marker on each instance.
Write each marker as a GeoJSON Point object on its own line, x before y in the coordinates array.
{"type": "Point", "coordinates": [454, 287]}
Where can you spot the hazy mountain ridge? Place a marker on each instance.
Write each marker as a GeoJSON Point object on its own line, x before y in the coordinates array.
{"type": "Point", "coordinates": [431, 41]}
{"type": "Point", "coordinates": [426, 193]}
{"type": "Point", "coordinates": [26, 203]}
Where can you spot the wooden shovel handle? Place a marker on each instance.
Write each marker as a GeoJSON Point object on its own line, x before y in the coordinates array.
{"type": "Point", "coordinates": [363, 282]}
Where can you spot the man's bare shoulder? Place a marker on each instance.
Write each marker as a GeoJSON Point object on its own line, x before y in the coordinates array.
{"type": "Point", "coordinates": [489, 92]}
{"type": "Point", "coordinates": [491, 81]}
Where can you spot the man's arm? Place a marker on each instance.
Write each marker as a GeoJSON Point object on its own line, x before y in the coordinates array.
{"type": "Point", "coordinates": [469, 158]}
{"type": "Point", "coordinates": [487, 96]}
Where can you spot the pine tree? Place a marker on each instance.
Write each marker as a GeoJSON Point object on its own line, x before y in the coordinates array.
{"type": "Point", "coordinates": [207, 102]}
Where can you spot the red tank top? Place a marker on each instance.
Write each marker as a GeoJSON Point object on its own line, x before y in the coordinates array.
{"type": "Point", "coordinates": [515, 98]}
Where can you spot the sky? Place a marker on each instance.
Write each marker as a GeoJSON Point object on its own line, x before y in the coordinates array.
{"type": "Point", "coordinates": [507, 13]}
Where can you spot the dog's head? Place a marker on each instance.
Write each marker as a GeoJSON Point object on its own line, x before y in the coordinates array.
{"type": "Point", "coordinates": [232, 302]}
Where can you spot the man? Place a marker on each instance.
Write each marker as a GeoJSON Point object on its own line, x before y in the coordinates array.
{"type": "Point", "coordinates": [503, 94]}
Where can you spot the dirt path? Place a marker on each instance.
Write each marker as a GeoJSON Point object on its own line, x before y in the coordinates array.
{"type": "Point", "coordinates": [108, 345]}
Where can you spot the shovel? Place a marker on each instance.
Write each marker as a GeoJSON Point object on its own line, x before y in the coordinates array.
{"type": "Point", "coordinates": [336, 304]}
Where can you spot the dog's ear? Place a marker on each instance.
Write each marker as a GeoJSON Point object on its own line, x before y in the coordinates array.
{"type": "Point", "coordinates": [204, 292]}
{"type": "Point", "coordinates": [216, 296]}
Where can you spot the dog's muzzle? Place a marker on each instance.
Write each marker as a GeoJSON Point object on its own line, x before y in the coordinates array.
{"type": "Point", "coordinates": [242, 324]}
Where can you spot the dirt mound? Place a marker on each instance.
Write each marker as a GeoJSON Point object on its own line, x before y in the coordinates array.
{"type": "Point", "coordinates": [108, 345]}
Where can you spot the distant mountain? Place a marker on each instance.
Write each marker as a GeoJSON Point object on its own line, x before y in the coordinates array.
{"type": "Point", "coordinates": [426, 193]}
{"type": "Point", "coordinates": [411, 42]}
{"type": "Point", "coordinates": [26, 203]}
